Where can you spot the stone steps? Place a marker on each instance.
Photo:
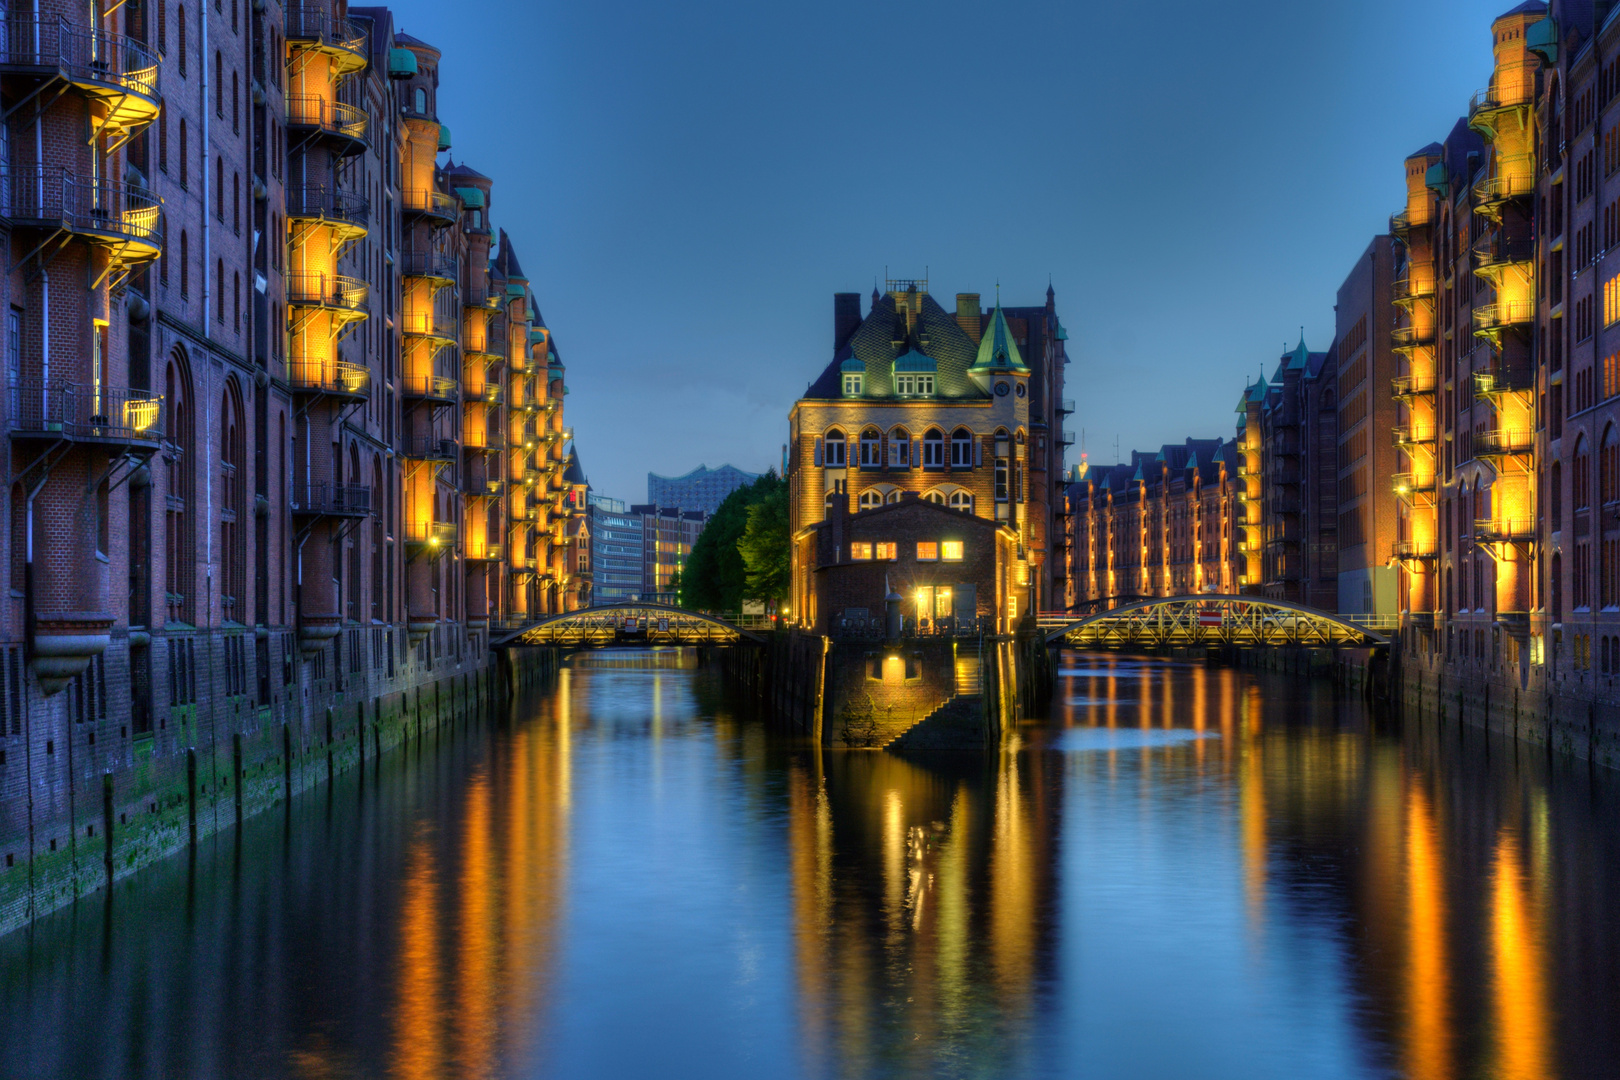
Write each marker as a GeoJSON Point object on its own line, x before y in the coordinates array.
{"type": "Point", "coordinates": [956, 725]}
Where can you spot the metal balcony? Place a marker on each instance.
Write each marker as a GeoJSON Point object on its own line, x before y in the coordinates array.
{"type": "Point", "coordinates": [1489, 385]}
{"type": "Point", "coordinates": [1513, 87]}
{"type": "Point", "coordinates": [1065, 407]}
{"type": "Point", "coordinates": [1491, 192]}
{"type": "Point", "coordinates": [330, 378]}
{"type": "Point", "coordinates": [1406, 291]}
{"type": "Point", "coordinates": [321, 499]}
{"type": "Point", "coordinates": [125, 218]}
{"type": "Point", "coordinates": [434, 265]}
{"type": "Point", "coordinates": [430, 537]}
{"type": "Point", "coordinates": [1407, 387]}
{"type": "Point", "coordinates": [1500, 443]}
{"type": "Point", "coordinates": [1405, 436]}
{"type": "Point", "coordinates": [1416, 550]}
{"type": "Point", "coordinates": [344, 127]}
{"type": "Point", "coordinates": [84, 413]}
{"type": "Point", "coordinates": [487, 551]}
{"type": "Point", "coordinates": [344, 211]}
{"type": "Point", "coordinates": [1407, 338]}
{"type": "Point", "coordinates": [1495, 253]}
{"type": "Point", "coordinates": [313, 27]}
{"type": "Point", "coordinates": [1413, 489]}
{"type": "Point", "coordinates": [435, 207]}
{"type": "Point", "coordinates": [429, 324]}
{"type": "Point", "coordinates": [438, 389]}
{"type": "Point", "coordinates": [1064, 437]}
{"type": "Point", "coordinates": [1491, 319]}
{"type": "Point", "coordinates": [1504, 530]}
{"type": "Point", "coordinates": [333, 292]}
{"type": "Point", "coordinates": [116, 70]}
{"type": "Point", "coordinates": [435, 448]}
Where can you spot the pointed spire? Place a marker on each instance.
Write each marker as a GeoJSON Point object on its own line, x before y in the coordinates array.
{"type": "Point", "coordinates": [998, 348]}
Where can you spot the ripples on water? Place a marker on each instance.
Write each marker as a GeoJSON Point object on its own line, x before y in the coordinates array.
{"type": "Point", "coordinates": [1186, 872]}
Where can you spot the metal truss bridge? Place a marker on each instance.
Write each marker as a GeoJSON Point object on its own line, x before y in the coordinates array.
{"type": "Point", "coordinates": [626, 624]}
{"type": "Point", "coordinates": [1244, 622]}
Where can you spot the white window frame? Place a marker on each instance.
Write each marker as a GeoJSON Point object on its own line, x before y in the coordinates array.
{"type": "Point", "coordinates": [852, 384]}
{"type": "Point", "coordinates": [835, 449]}
{"type": "Point", "coordinates": [899, 449]}
{"type": "Point", "coordinates": [938, 448]}
{"type": "Point", "coordinates": [871, 449]}
{"type": "Point", "coordinates": [962, 450]}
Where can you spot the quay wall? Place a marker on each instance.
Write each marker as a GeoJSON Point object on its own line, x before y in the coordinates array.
{"type": "Point", "coordinates": [83, 802]}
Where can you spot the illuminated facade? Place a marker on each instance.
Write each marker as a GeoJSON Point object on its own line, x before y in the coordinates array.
{"type": "Point", "coordinates": [1168, 523]}
{"type": "Point", "coordinates": [942, 405]}
{"type": "Point", "coordinates": [285, 434]}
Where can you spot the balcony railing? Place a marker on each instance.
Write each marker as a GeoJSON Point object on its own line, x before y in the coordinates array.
{"type": "Point", "coordinates": [429, 324]}
{"type": "Point", "coordinates": [87, 58]}
{"type": "Point", "coordinates": [1500, 442]}
{"type": "Point", "coordinates": [1064, 437]}
{"type": "Point", "coordinates": [313, 24]}
{"type": "Point", "coordinates": [336, 377]}
{"type": "Point", "coordinates": [1416, 549]}
{"type": "Point", "coordinates": [333, 500]}
{"type": "Point", "coordinates": [1406, 435]}
{"type": "Point", "coordinates": [334, 291]}
{"type": "Point", "coordinates": [1511, 86]}
{"type": "Point", "coordinates": [1495, 250]}
{"type": "Point", "coordinates": [439, 535]}
{"type": "Point", "coordinates": [1066, 406]}
{"type": "Point", "coordinates": [1500, 188]}
{"type": "Point", "coordinates": [1489, 318]}
{"type": "Point", "coordinates": [436, 205]}
{"type": "Point", "coordinates": [342, 121]}
{"type": "Point", "coordinates": [1409, 386]}
{"type": "Point", "coordinates": [487, 551]}
{"type": "Point", "coordinates": [84, 411]}
{"type": "Point", "coordinates": [1491, 384]}
{"type": "Point", "coordinates": [1409, 486]}
{"type": "Point", "coordinates": [1408, 290]}
{"type": "Point", "coordinates": [128, 216]}
{"type": "Point", "coordinates": [318, 202]}
{"type": "Point", "coordinates": [1410, 337]}
{"type": "Point", "coordinates": [440, 388]}
{"type": "Point", "coordinates": [429, 448]}
{"type": "Point", "coordinates": [1504, 530]}
{"type": "Point", "coordinates": [428, 264]}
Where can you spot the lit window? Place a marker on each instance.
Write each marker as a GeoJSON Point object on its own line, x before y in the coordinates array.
{"type": "Point", "coordinates": [871, 449]}
{"type": "Point", "coordinates": [927, 551]}
{"type": "Point", "coordinates": [888, 550]}
{"type": "Point", "coordinates": [962, 500]}
{"type": "Point", "coordinates": [860, 551]}
{"type": "Point", "coordinates": [899, 449]}
{"type": "Point", "coordinates": [871, 498]}
{"type": "Point", "coordinates": [852, 385]}
{"type": "Point", "coordinates": [934, 449]}
{"type": "Point", "coordinates": [835, 450]}
{"type": "Point", "coordinates": [894, 496]}
{"type": "Point", "coordinates": [905, 385]}
{"type": "Point", "coordinates": [951, 551]}
{"type": "Point", "coordinates": [936, 497]}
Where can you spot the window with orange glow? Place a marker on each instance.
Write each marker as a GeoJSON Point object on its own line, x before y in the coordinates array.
{"type": "Point", "coordinates": [951, 551]}
{"type": "Point", "coordinates": [927, 551]}
{"type": "Point", "coordinates": [888, 550]}
{"type": "Point", "coordinates": [860, 551]}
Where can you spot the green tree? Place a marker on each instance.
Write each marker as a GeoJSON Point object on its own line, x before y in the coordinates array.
{"type": "Point", "coordinates": [715, 577]}
{"type": "Point", "coordinates": [766, 548]}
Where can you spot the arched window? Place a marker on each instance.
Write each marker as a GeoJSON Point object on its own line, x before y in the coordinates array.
{"type": "Point", "coordinates": [832, 499]}
{"type": "Point", "coordinates": [219, 84]}
{"type": "Point", "coordinates": [180, 23]}
{"type": "Point", "coordinates": [233, 510]}
{"type": "Point", "coordinates": [178, 546]}
{"type": "Point", "coordinates": [871, 448]}
{"type": "Point", "coordinates": [378, 529]}
{"type": "Point", "coordinates": [1609, 467]}
{"type": "Point", "coordinates": [185, 157]}
{"type": "Point", "coordinates": [833, 454]}
{"type": "Point", "coordinates": [961, 449]}
{"type": "Point", "coordinates": [935, 496]}
{"type": "Point", "coordinates": [185, 265]}
{"type": "Point", "coordinates": [1556, 496]}
{"type": "Point", "coordinates": [350, 498]}
{"type": "Point", "coordinates": [934, 449]}
{"type": "Point", "coordinates": [1557, 587]}
{"type": "Point", "coordinates": [1581, 475]}
{"type": "Point", "coordinates": [871, 499]}
{"type": "Point", "coordinates": [421, 101]}
{"type": "Point", "coordinates": [893, 496]}
{"type": "Point", "coordinates": [899, 449]}
{"type": "Point", "coordinates": [962, 500]}
{"type": "Point", "coordinates": [219, 288]}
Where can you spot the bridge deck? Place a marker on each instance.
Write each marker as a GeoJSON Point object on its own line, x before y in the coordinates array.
{"type": "Point", "coordinates": [627, 624]}
{"type": "Point", "coordinates": [1246, 622]}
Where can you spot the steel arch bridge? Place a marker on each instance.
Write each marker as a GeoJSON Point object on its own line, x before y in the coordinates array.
{"type": "Point", "coordinates": [1244, 622]}
{"type": "Point", "coordinates": [627, 624]}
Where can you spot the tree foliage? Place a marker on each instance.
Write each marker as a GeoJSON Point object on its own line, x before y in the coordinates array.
{"type": "Point", "coordinates": [767, 551]}
{"type": "Point", "coordinates": [715, 577]}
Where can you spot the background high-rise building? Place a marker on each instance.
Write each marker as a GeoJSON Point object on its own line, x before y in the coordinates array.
{"type": "Point", "coordinates": [701, 489]}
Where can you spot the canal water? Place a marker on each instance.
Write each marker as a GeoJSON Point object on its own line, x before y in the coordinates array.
{"type": "Point", "coordinates": [1184, 872]}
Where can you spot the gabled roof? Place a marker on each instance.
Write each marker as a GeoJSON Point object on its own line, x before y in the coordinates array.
{"type": "Point", "coordinates": [997, 349]}
{"type": "Point", "coordinates": [935, 333]}
{"type": "Point", "coordinates": [465, 172]}
{"type": "Point", "coordinates": [506, 260]}
{"type": "Point", "coordinates": [572, 472]}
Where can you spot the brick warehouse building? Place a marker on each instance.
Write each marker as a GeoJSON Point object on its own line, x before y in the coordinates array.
{"type": "Point", "coordinates": [284, 439]}
{"type": "Point", "coordinates": [1167, 523]}
{"type": "Point", "coordinates": [961, 409]}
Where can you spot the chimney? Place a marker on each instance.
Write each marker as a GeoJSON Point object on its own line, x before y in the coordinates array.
{"type": "Point", "coordinates": [846, 317]}
{"type": "Point", "coordinates": [968, 314]}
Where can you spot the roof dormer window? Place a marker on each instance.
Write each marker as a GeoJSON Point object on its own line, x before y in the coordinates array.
{"type": "Point", "coordinates": [852, 384]}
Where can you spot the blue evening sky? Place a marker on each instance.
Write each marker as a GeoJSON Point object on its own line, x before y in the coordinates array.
{"type": "Point", "coordinates": [688, 184]}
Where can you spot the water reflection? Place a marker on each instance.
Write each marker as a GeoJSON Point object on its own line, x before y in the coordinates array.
{"type": "Point", "coordinates": [1186, 871]}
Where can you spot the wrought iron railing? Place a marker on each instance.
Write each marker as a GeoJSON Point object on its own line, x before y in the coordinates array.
{"type": "Point", "coordinates": [435, 534]}
{"type": "Point", "coordinates": [82, 204]}
{"type": "Point", "coordinates": [315, 23]}
{"type": "Point", "coordinates": [328, 204]}
{"type": "Point", "coordinates": [337, 117]}
{"type": "Point", "coordinates": [434, 387]}
{"type": "Point", "coordinates": [81, 410]}
{"type": "Point", "coordinates": [321, 497]}
{"type": "Point", "coordinates": [328, 290]}
{"type": "Point", "coordinates": [432, 203]}
{"type": "Point", "coordinates": [433, 264]}
{"type": "Point", "coordinates": [327, 376]}
{"type": "Point", "coordinates": [82, 54]}
{"type": "Point", "coordinates": [428, 324]}
{"type": "Point", "coordinates": [429, 448]}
